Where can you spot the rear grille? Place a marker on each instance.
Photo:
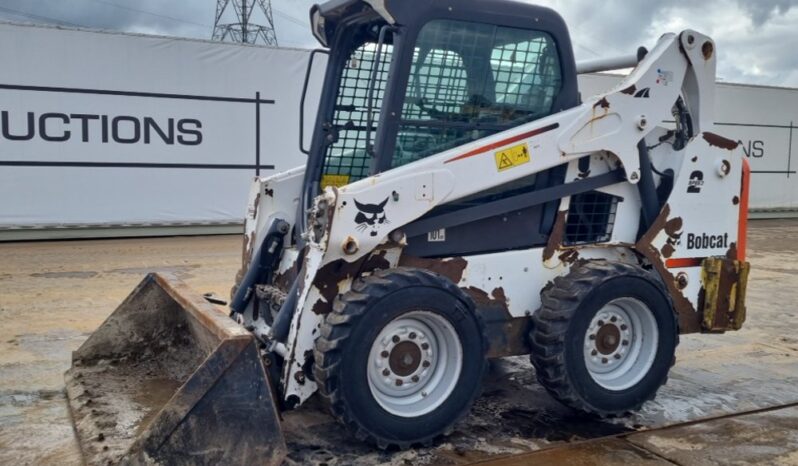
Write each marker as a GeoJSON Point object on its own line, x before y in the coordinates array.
{"type": "Point", "coordinates": [591, 216]}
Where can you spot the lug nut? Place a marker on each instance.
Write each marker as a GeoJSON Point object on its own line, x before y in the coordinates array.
{"type": "Point", "coordinates": [593, 353]}
{"type": "Point", "coordinates": [425, 363]}
{"type": "Point", "coordinates": [384, 354]}
{"type": "Point", "coordinates": [425, 346]}
{"type": "Point", "coordinates": [386, 372]}
{"type": "Point", "coordinates": [617, 356]}
{"type": "Point", "coordinates": [412, 335]}
{"type": "Point", "coordinates": [613, 319]}
{"type": "Point", "coordinates": [414, 378]}
{"type": "Point", "coordinates": [604, 360]}
{"type": "Point", "coordinates": [399, 382]}
{"type": "Point", "coordinates": [623, 327]}
{"type": "Point", "coordinates": [592, 337]}
{"type": "Point", "coordinates": [625, 343]}
{"type": "Point", "coordinates": [601, 323]}
{"type": "Point", "coordinates": [395, 338]}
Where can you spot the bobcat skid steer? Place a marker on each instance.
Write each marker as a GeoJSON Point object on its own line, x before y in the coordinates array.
{"type": "Point", "coordinates": [460, 202]}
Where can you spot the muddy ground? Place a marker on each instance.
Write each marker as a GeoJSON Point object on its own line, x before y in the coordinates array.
{"type": "Point", "coordinates": [53, 294]}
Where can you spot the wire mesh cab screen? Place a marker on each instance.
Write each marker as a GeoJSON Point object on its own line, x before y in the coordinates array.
{"type": "Point", "coordinates": [347, 159]}
{"type": "Point", "coordinates": [470, 80]}
{"type": "Point", "coordinates": [591, 216]}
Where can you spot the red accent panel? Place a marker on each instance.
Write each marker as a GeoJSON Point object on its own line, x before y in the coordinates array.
{"type": "Point", "coordinates": [504, 142]}
{"type": "Point", "coordinates": [683, 262]}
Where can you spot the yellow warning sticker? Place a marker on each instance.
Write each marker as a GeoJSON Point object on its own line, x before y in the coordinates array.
{"type": "Point", "coordinates": [334, 180]}
{"type": "Point", "coordinates": [512, 157]}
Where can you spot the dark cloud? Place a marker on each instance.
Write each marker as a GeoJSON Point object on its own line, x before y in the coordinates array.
{"type": "Point", "coordinates": [752, 36]}
{"type": "Point", "coordinates": [760, 11]}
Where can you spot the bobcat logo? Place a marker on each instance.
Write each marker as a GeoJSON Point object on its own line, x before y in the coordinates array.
{"type": "Point", "coordinates": [371, 216]}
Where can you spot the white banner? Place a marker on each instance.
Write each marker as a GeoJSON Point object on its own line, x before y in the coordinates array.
{"type": "Point", "coordinates": [99, 128]}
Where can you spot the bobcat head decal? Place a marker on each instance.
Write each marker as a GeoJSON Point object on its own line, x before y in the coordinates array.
{"type": "Point", "coordinates": [371, 216]}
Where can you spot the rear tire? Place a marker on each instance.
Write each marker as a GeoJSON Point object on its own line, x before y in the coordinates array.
{"type": "Point", "coordinates": [605, 338]}
{"type": "Point", "coordinates": [401, 357]}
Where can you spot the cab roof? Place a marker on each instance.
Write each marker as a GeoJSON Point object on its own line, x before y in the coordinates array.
{"type": "Point", "coordinates": [326, 17]}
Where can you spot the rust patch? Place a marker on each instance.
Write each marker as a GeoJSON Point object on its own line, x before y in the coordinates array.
{"type": "Point", "coordinates": [299, 376]}
{"type": "Point", "coordinates": [732, 252]}
{"type": "Point", "coordinates": [328, 277]}
{"type": "Point", "coordinates": [569, 256]}
{"type": "Point", "coordinates": [707, 49]}
{"type": "Point", "coordinates": [719, 141]}
{"type": "Point", "coordinates": [256, 206]}
{"type": "Point", "coordinates": [725, 167]}
{"type": "Point", "coordinates": [498, 295]}
{"type": "Point", "coordinates": [482, 299]}
{"type": "Point", "coordinates": [681, 280]}
{"type": "Point", "coordinates": [320, 307]}
{"type": "Point", "coordinates": [247, 250]}
{"type": "Point", "coordinates": [689, 319]}
{"type": "Point", "coordinates": [629, 90]}
{"type": "Point", "coordinates": [507, 336]}
{"type": "Point", "coordinates": [479, 296]}
{"type": "Point", "coordinates": [450, 268]}
{"type": "Point", "coordinates": [603, 103]}
{"type": "Point", "coordinates": [286, 279]}
{"type": "Point", "coordinates": [723, 300]}
{"type": "Point", "coordinates": [557, 233]}
{"type": "Point", "coordinates": [673, 227]}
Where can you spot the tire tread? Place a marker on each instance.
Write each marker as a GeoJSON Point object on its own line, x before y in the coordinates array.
{"type": "Point", "coordinates": [547, 339]}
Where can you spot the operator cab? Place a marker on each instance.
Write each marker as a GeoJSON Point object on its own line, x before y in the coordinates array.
{"type": "Point", "coordinates": [408, 79]}
{"type": "Point", "coordinates": [464, 70]}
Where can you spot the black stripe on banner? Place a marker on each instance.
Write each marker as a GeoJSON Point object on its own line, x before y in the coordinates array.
{"type": "Point", "coordinates": [25, 163]}
{"type": "Point", "coordinates": [156, 95]}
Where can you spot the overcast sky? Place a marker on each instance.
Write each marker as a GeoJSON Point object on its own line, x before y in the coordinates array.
{"type": "Point", "coordinates": [757, 40]}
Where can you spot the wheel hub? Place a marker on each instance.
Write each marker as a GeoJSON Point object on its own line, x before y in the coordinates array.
{"type": "Point", "coordinates": [608, 338]}
{"type": "Point", "coordinates": [620, 343]}
{"type": "Point", "coordinates": [414, 363]}
{"type": "Point", "coordinates": [405, 358]}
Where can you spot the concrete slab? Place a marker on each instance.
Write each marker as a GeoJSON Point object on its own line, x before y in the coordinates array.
{"type": "Point", "coordinates": [52, 295]}
{"type": "Point", "coordinates": [769, 437]}
{"type": "Point", "coordinates": [611, 452]}
{"type": "Point", "coordinates": [764, 437]}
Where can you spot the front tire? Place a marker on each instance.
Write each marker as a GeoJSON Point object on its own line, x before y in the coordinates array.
{"type": "Point", "coordinates": [401, 357]}
{"type": "Point", "coordinates": [605, 338]}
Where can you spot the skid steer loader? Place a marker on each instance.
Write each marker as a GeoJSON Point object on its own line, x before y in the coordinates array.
{"type": "Point", "coordinates": [460, 202]}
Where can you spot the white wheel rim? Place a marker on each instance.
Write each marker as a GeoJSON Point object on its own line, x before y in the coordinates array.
{"type": "Point", "coordinates": [414, 364]}
{"type": "Point", "coordinates": [621, 343]}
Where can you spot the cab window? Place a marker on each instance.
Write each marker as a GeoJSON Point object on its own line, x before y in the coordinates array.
{"type": "Point", "coordinates": [470, 80]}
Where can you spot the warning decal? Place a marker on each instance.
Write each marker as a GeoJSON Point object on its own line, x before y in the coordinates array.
{"type": "Point", "coordinates": [512, 157]}
{"type": "Point", "coordinates": [334, 180]}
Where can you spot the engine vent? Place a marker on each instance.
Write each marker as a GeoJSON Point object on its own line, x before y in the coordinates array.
{"type": "Point", "coordinates": [591, 216]}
